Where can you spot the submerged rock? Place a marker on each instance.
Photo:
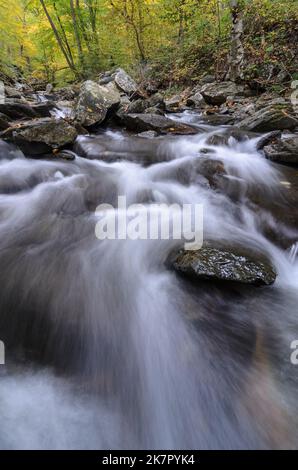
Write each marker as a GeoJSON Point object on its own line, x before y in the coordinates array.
{"type": "Point", "coordinates": [216, 263]}
{"type": "Point", "coordinates": [95, 101]}
{"type": "Point", "coordinates": [213, 170]}
{"type": "Point", "coordinates": [41, 135]}
{"type": "Point", "coordinates": [148, 134]}
{"type": "Point", "coordinates": [9, 151]}
{"type": "Point", "coordinates": [283, 150]}
{"type": "Point", "coordinates": [155, 122]}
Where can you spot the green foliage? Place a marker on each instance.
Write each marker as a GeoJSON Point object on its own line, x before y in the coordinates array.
{"type": "Point", "coordinates": [177, 40]}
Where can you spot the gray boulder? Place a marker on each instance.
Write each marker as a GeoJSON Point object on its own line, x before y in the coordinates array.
{"type": "Point", "coordinates": [283, 150]}
{"type": "Point", "coordinates": [20, 109]}
{"type": "Point", "coordinates": [136, 107]}
{"type": "Point", "coordinates": [124, 82]}
{"type": "Point", "coordinates": [41, 135]}
{"type": "Point", "coordinates": [232, 264]}
{"type": "Point", "coordinates": [272, 117]}
{"type": "Point", "coordinates": [154, 122]}
{"type": "Point", "coordinates": [95, 101]}
{"type": "Point", "coordinates": [196, 100]}
{"type": "Point", "coordinates": [217, 93]}
{"type": "Point", "coordinates": [173, 104]}
{"type": "Point", "coordinates": [11, 92]}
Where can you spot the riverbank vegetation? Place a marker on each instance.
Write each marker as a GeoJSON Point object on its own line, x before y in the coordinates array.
{"type": "Point", "coordinates": [175, 41]}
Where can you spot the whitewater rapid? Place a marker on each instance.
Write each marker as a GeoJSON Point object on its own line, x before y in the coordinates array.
{"type": "Point", "coordinates": [108, 348]}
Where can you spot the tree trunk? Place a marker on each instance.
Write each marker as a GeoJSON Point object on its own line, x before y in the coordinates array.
{"type": "Point", "coordinates": [236, 59]}
{"type": "Point", "coordinates": [58, 38]}
{"type": "Point", "coordinates": [77, 34]}
{"type": "Point", "coordinates": [64, 37]}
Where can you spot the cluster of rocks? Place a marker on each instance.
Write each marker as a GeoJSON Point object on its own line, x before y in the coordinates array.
{"type": "Point", "coordinates": [228, 103]}
{"type": "Point", "coordinates": [40, 122]}
{"type": "Point", "coordinates": [46, 121]}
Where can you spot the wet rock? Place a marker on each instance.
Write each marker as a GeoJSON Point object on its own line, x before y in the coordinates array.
{"type": "Point", "coordinates": [154, 122]}
{"type": "Point", "coordinates": [124, 82]}
{"type": "Point", "coordinates": [4, 122]}
{"type": "Point", "coordinates": [66, 154]}
{"type": "Point", "coordinates": [233, 264]}
{"type": "Point", "coordinates": [196, 100]}
{"type": "Point", "coordinates": [213, 170]}
{"type": "Point", "coordinates": [155, 105]}
{"type": "Point", "coordinates": [267, 139]}
{"type": "Point", "coordinates": [154, 110]}
{"type": "Point", "coordinates": [95, 101]}
{"type": "Point", "coordinates": [148, 134]}
{"type": "Point", "coordinates": [217, 93]}
{"type": "Point", "coordinates": [19, 109]}
{"type": "Point", "coordinates": [283, 150]}
{"type": "Point", "coordinates": [224, 137]}
{"type": "Point", "coordinates": [218, 119]}
{"type": "Point", "coordinates": [275, 116]}
{"type": "Point", "coordinates": [173, 104]}
{"type": "Point", "coordinates": [138, 106]}
{"type": "Point", "coordinates": [9, 151]}
{"type": "Point", "coordinates": [11, 92]}
{"type": "Point", "coordinates": [41, 135]}
{"type": "Point", "coordinates": [66, 93]}
{"type": "Point", "coordinates": [156, 101]}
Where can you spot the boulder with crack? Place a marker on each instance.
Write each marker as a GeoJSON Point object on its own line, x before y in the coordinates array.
{"type": "Point", "coordinates": [95, 101]}
{"type": "Point", "coordinates": [155, 122]}
{"type": "Point", "coordinates": [283, 150]}
{"type": "Point", "coordinates": [124, 82]}
{"type": "Point", "coordinates": [274, 116]}
{"type": "Point", "coordinates": [217, 93]}
{"type": "Point", "coordinates": [41, 136]}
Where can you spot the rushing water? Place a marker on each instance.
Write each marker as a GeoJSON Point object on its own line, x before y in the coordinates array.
{"type": "Point", "coordinates": [108, 348]}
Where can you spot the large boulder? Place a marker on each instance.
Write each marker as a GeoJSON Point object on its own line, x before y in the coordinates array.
{"type": "Point", "coordinates": [124, 82]}
{"type": "Point", "coordinates": [217, 93]}
{"type": "Point", "coordinates": [95, 101]}
{"type": "Point", "coordinates": [154, 122]}
{"type": "Point", "coordinates": [40, 136]}
{"type": "Point", "coordinates": [283, 150]}
{"type": "Point", "coordinates": [274, 116]}
{"type": "Point", "coordinates": [232, 264]}
{"type": "Point", "coordinates": [20, 109]}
